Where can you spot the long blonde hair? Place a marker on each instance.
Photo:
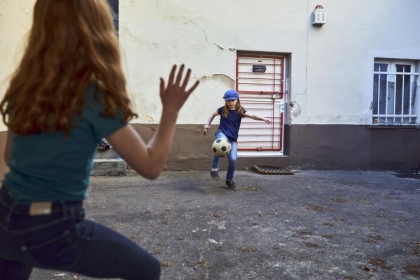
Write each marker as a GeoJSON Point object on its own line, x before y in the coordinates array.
{"type": "Point", "coordinates": [72, 43]}
{"type": "Point", "coordinates": [238, 109]}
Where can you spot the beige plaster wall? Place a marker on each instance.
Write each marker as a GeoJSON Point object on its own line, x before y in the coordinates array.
{"type": "Point", "coordinates": [205, 36]}
{"type": "Point", "coordinates": [15, 21]}
{"type": "Point", "coordinates": [330, 65]}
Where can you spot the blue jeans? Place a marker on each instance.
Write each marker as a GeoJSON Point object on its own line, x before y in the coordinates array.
{"type": "Point", "coordinates": [232, 157]}
{"type": "Point", "coordinates": [65, 240]}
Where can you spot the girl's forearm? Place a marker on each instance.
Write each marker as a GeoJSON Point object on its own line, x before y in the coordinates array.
{"type": "Point", "coordinates": [160, 145]}
{"type": "Point", "coordinates": [209, 121]}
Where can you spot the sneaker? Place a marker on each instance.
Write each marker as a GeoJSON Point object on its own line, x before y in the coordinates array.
{"type": "Point", "coordinates": [231, 185]}
{"type": "Point", "coordinates": [214, 175]}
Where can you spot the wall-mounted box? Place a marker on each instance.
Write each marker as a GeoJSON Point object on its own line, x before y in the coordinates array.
{"type": "Point", "coordinates": [259, 68]}
{"type": "Point", "coordinates": [319, 16]}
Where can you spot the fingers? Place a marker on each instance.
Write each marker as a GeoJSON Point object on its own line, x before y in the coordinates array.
{"type": "Point", "coordinates": [193, 87]}
{"type": "Point", "coordinates": [174, 93]}
{"type": "Point", "coordinates": [187, 78]}
{"type": "Point", "coordinates": [183, 82]}
{"type": "Point", "coordinates": [162, 85]}
{"type": "Point", "coordinates": [178, 80]}
{"type": "Point", "coordinates": [171, 75]}
{"type": "Point", "coordinates": [179, 76]}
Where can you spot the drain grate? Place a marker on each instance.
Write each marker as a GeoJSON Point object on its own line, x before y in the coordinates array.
{"type": "Point", "coordinates": [413, 174]}
{"type": "Point", "coordinates": [272, 170]}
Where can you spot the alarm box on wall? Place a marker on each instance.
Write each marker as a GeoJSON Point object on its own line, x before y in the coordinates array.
{"type": "Point", "coordinates": [319, 16]}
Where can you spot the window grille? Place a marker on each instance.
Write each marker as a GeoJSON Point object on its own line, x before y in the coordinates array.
{"type": "Point", "coordinates": [394, 93]}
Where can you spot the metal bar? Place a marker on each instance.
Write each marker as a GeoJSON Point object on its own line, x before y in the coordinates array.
{"type": "Point", "coordinates": [379, 92]}
{"type": "Point", "coordinates": [402, 93]}
{"type": "Point", "coordinates": [281, 131]}
{"type": "Point", "coordinates": [259, 92]}
{"type": "Point", "coordinates": [386, 97]}
{"type": "Point", "coordinates": [257, 78]}
{"type": "Point", "coordinates": [253, 101]}
{"type": "Point", "coordinates": [250, 83]}
{"type": "Point", "coordinates": [394, 115]}
{"type": "Point", "coordinates": [258, 63]}
{"type": "Point", "coordinates": [259, 56]}
{"type": "Point", "coordinates": [410, 97]}
{"type": "Point", "coordinates": [258, 149]}
{"type": "Point", "coordinates": [237, 74]}
{"type": "Point", "coordinates": [274, 70]}
{"type": "Point", "coordinates": [396, 73]}
{"type": "Point", "coordinates": [395, 95]}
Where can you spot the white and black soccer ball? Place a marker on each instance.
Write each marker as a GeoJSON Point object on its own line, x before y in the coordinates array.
{"type": "Point", "coordinates": [221, 147]}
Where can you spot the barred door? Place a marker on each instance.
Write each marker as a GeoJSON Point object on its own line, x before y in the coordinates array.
{"type": "Point", "coordinates": [260, 83]}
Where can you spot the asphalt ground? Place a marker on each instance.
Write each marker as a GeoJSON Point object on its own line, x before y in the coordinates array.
{"type": "Point", "coordinates": [311, 225]}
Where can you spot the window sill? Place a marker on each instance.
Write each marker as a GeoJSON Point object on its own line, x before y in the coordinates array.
{"type": "Point", "coordinates": [393, 126]}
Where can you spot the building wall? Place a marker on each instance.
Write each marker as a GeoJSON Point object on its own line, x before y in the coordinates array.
{"type": "Point", "coordinates": [204, 36]}
{"type": "Point", "coordinates": [15, 21]}
{"type": "Point", "coordinates": [347, 147]}
{"type": "Point", "coordinates": [341, 55]}
{"type": "Point", "coordinates": [330, 71]}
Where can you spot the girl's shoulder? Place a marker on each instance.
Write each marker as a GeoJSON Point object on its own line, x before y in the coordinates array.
{"type": "Point", "coordinates": [94, 97]}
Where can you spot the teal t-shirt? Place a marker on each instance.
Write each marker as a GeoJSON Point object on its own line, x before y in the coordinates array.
{"type": "Point", "coordinates": [47, 167]}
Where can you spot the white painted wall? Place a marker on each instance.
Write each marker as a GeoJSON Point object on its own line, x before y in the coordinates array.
{"type": "Point", "coordinates": [341, 55]}
{"type": "Point", "coordinates": [204, 35]}
{"type": "Point", "coordinates": [331, 66]}
{"type": "Point", "coordinates": [15, 21]}
{"type": "Point", "coordinates": [337, 58]}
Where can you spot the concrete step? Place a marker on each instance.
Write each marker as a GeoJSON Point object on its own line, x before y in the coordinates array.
{"type": "Point", "coordinates": [108, 163]}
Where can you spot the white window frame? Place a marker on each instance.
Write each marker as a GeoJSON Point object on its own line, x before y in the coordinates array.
{"type": "Point", "coordinates": [395, 99]}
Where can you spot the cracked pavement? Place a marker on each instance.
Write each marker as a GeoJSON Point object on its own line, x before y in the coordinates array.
{"type": "Point", "coordinates": [310, 225]}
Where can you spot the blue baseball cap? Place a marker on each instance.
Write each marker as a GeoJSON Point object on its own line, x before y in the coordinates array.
{"type": "Point", "coordinates": [231, 95]}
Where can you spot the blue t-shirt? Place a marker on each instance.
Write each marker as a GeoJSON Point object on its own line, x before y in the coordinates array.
{"type": "Point", "coordinates": [230, 125]}
{"type": "Point", "coordinates": [47, 167]}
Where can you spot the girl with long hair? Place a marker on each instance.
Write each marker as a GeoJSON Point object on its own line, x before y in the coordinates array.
{"type": "Point", "coordinates": [67, 94]}
{"type": "Point", "coordinates": [231, 115]}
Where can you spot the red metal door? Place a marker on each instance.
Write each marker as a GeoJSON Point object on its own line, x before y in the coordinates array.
{"type": "Point", "coordinates": [260, 82]}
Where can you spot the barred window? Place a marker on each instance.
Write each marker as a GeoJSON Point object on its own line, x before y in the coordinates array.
{"type": "Point", "coordinates": [115, 12]}
{"type": "Point", "coordinates": [394, 92]}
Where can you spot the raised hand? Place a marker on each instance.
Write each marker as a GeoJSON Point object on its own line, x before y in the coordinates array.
{"type": "Point", "coordinates": [175, 93]}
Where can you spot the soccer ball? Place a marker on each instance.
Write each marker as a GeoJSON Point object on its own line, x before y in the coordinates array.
{"type": "Point", "coordinates": [221, 147]}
